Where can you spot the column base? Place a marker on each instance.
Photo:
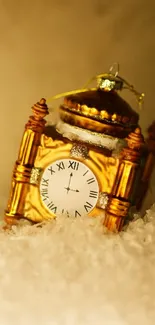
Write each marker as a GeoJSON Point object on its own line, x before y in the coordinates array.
{"type": "Point", "coordinates": [12, 219]}
{"type": "Point", "coordinates": [115, 214]}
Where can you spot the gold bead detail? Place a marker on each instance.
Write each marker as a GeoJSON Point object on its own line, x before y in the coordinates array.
{"type": "Point", "coordinates": [85, 109]}
{"type": "Point", "coordinates": [104, 114]}
{"type": "Point", "coordinates": [94, 111]}
{"type": "Point", "coordinates": [114, 117]}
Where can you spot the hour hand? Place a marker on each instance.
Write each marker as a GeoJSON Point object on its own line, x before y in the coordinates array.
{"type": "Point", "coordinates": [74, 190]}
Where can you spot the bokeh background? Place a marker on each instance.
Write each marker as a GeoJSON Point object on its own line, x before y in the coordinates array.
{"type": "Point", "coordinates": [50, 46]}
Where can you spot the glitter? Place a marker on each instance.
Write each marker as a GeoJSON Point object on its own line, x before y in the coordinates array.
{"type": "Point", "coordinates": [35, 173]}
{"type": "Point", "coordinates": [77, 134]}
{"type": "Point", "coordinates": [106, 84]}
{"type": "Point", "coordinates": [79, 151]}
{"type": "Point", "coordinates": [103, 200]}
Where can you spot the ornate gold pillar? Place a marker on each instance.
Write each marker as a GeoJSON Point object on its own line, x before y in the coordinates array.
{"type": "Point", "coordinates": [25, 162]}
{"type": "Point", "coordinates": [119, 202]}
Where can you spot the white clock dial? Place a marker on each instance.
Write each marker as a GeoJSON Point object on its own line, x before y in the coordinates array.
{"type": "Point", "coordinates": [68, 186]}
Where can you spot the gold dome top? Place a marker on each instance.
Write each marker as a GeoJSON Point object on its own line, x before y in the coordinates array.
{"type": "Point", "coordinates": [102, 105]}
{"type": "Point", "coordinates": [101, 109]}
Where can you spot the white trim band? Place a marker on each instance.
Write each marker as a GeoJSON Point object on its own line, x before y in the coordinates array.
{"type": "Point", "coordinates": [75, 133]}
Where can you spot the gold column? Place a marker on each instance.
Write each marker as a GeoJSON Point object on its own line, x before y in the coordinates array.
{"type": "Point", "coordinates": [25, 162]}
{"type": "Point", "coordinates": [119, 202]}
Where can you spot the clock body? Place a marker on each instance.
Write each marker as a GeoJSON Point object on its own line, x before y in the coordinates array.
{"type": "Point", "coordinates": [92, 165]}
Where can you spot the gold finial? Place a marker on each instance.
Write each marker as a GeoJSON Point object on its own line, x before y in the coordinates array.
{"type": "Point", "coordinates": [36, 122]}
{"type": "Point", "coordinates": [42, 101]}
{"type": "Point", "coordinates": [40, 109]}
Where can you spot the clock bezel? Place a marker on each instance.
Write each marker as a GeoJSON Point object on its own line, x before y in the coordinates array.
{"type": "Point", "coordinates": [45, 188]}
{"type": "Point", "coordinates": [49, 151]}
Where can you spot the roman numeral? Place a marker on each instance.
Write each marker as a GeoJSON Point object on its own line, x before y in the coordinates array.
{"type": "Point", "coordinates": [52, 207]}
{"type": "Point", "coordinates": [93, 194]}
{"type": "Point", "coordinates": [91, 180]}
{"type": "Point", "coordinates": [88, 206]}
{"type": "Point", "coordinates": [51, 170]}
{"type": "Point", "coordinates": [74, 165]}
{"type": "Point", "coordinates": [65, 212]}
{"type": "Point", "coordinates": [44, 193]}
{"type": "Point", "coordinates": [85, 172]}
{"type": "Point", "coordinates": [45, 182]}
{"type": "Point", "coordinates": [77, 214]}
{"type": "Point", "coordinates": [61, 165]}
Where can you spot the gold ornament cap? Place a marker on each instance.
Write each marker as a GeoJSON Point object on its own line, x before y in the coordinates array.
{"type": "Point", "coordinates": [102, 109]}
{"type": "Point", "coordinates": [102, 105]}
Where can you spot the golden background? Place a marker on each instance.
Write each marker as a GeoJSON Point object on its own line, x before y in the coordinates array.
{"type": "Point", "coordinates": [52, 46]}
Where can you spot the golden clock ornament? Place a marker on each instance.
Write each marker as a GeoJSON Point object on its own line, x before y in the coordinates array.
{"type": "Point", "coordinates": [92, 162]}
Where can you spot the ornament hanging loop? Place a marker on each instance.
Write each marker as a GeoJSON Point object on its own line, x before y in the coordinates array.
{"type": "Point", "coordinates": [112, 81]}
{"type": "Point", "coordinates": [114, 69]}
{"type": "Point", "coordinates": [139, 96]}
{"type": "Point", "coordinates": [107, 82]}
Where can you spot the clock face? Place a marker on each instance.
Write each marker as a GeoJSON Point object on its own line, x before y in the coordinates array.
{"type": "Point", "coordinates": [69, 187]}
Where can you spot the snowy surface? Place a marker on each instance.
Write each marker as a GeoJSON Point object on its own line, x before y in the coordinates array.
{"type": "Point", "coordinates": [72, 272]}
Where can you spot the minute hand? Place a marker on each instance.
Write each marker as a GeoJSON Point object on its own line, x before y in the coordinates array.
{"type": "Point", "coordinates": [68, 188]}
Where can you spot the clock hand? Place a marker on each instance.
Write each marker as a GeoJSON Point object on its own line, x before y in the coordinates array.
{"type": "Point", "coordinates": [68, 188]}
{"type": "Point", "coordinates": [74, 190]}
